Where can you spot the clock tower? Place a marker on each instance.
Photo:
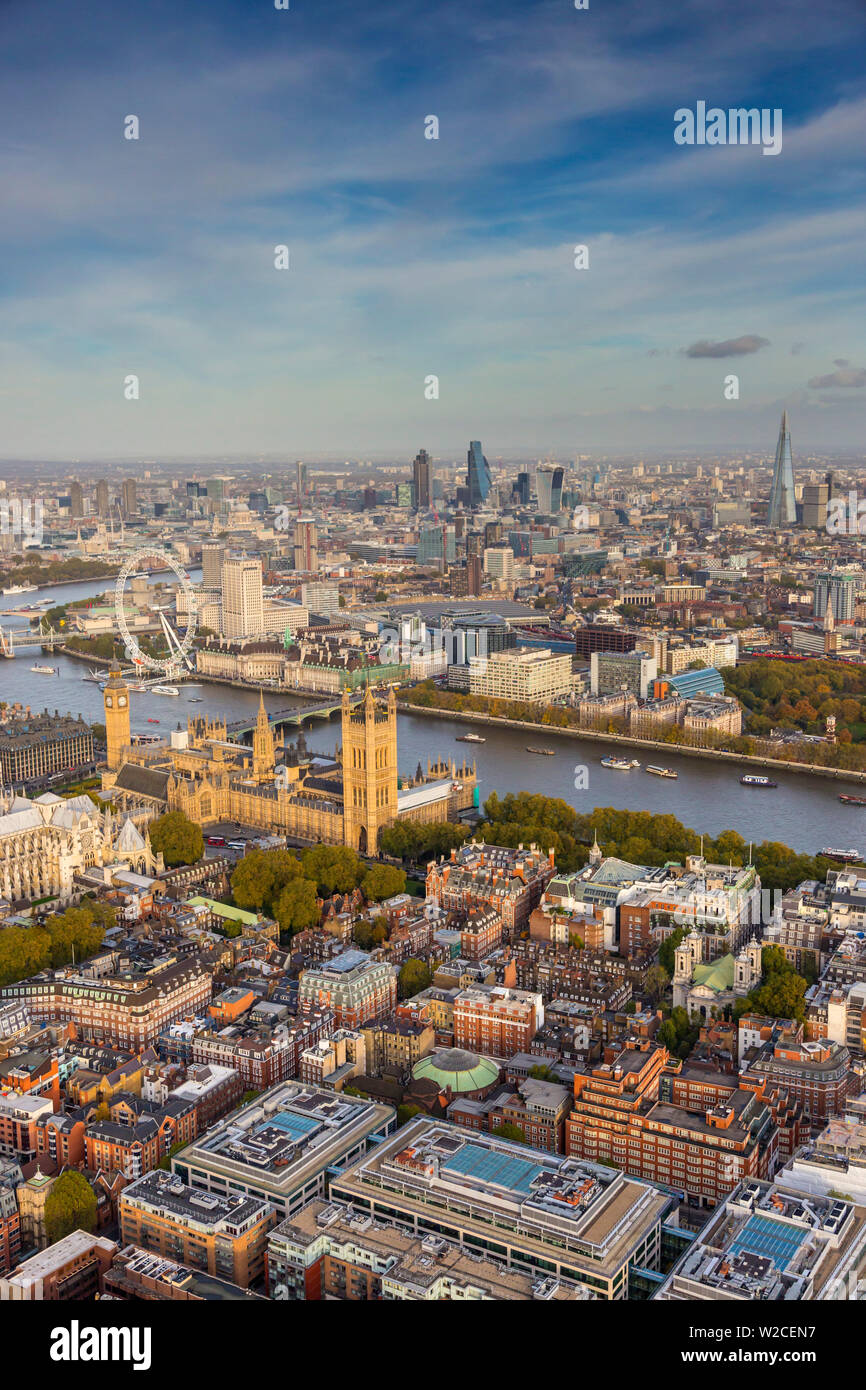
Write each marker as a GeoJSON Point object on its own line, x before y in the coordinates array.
{"type": "Point", "coordinates": [116, 700]}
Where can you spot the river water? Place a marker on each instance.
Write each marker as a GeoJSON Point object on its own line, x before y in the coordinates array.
{"type": "Point", "coordinates": [803, 812]}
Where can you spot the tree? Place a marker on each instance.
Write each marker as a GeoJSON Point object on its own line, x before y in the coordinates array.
{"type": "Point", "coordinates": [297, 907]}
{"type": "Point", "coordinates": [70, 1206]}
{"type": "Point", "coordinates": [657, 981]}
{"type": "Point", "coordinates": [406, 1113]}
{"type": "Point", "coordinates": [542, 1073]}
{"type": "Point", "coordinates": [177, 838]}
{"type": "Point", "coordinates": [260, 877]}
{"type": "Point", "coordinates": [333, 868]}
{"type": "Point", "coordinates": [414, 976]}
{"type": "Point", "coordinates": [382, 881]}
{"type": "Point", "coordinates": [509, 1132]}
{"type": "Point", "coordinates": [667, 948]}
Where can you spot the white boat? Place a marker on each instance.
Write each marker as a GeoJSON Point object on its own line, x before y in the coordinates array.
{"type": "Point", "coordinates": [164, 690]}
{"type": "Point", "coordinates": [44, 670]}
{"type": "Point", "coordinates": [21, 589]}
{"type": "Point", "coordinates": [470, 738]}
{"type": "Point", "coordinates": [619, 764]}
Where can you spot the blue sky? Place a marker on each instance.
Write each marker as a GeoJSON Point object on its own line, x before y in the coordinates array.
{"type": "Point", "coordinates": [412, 257]}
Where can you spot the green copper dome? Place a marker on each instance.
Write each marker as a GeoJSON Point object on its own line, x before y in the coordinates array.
{"type": "Point", "coordinates": [462, 1071]}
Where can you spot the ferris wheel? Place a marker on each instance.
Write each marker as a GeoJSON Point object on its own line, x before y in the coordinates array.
{"type": "Point", "coordinates": [178, 648]}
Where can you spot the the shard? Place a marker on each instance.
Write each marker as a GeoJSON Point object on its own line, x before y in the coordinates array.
{"type": "Point", "coordinates": [782, 510]}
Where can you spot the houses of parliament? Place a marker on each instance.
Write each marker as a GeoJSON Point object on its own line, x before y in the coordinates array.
{"type": "Point", "coordinates": [347, 800]}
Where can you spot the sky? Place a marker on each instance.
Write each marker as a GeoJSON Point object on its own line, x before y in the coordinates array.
{"type": "Point", "coordinates": [412, 258]}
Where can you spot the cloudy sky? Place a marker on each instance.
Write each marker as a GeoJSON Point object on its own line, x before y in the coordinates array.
{"type": "Point", "coordinates": [412, 257]}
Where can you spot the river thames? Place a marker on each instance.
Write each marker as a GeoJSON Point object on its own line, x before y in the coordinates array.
{"type": "Point", "coordinates": [803, 811]}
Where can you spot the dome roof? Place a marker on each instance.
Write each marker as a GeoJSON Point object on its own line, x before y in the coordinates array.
{"type": "Point", "coordinates": [462, 1071]}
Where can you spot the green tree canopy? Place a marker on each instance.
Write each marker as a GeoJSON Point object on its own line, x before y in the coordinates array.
{"type": "Point", "coordinates": [509, 1132]}
{"type": "Point", "coordinates": [382, 881]}
{"type": "Point", "coordinates": [414, 976]}
{"type": "Point", "coordinates": [297, 907]}
{"type": "Point", "coordinates": [333, 868]}
{"type": "Point", "coordinates": [70, 1206]}
{"type": "Point", "coordinates": [260, 877]}
{"type": "Point", "coordinates": [177, 838]}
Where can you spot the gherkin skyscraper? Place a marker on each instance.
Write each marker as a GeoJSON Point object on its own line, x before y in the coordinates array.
{"type": "Point", "coordinates": [782, 510]}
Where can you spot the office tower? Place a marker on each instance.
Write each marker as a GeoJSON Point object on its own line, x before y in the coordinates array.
{"type": "Point", "coordinates": [242, 602]}
{"type": "Point", "coordinates": [521, 489]}
{"type": "Point", "coordinates": [306, 547]}
{"type": "Point", "coordinates": [492, 533]}
{"type": "Point", "coordinates": [548, 488]}
{"type": "Point", "coordinates": [839, 590]}
{"type": "Point", "coordinates": [782, 510]}
{"type": "Point", "coordinates": [212, 555]}
{"type": "Point", "coordinates": [815, 499]}
{"type": "Point", "coordinates": [437, 545]}
{"type": "Point", "coordinates": [475, 543]}
{"type": "Point", "coordinates": [216, 489]}
{"type": "Point", "coordinates": [129, 498]}
{"type": "Point", "coordinates": [76, 500]}
{"type": "Point", "coordinates": [257, 501]}
{"type": "Point", "coordinates": [473, 575]}
{"type": "Point", "coordinates": [320, 597]}
{"type": "Point", "coordinates": [499, 564]}
{"type": "Point", "coordinates": [421, 479]}
{"type": "Point", "coordinates": [103, 501]}
{"type": "Point", "coordinates": [477, 474]}
{"type": "Point", "coordinates": [300, 481]}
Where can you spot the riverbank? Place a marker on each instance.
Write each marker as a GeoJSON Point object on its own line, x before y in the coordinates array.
{"type": "Point", "coordinates": [592, 736]}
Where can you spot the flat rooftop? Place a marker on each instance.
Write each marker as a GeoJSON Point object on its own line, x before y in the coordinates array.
{"type": "Point", "coordinates": [557, 1208]}
{"type": "Point", "coordinates": [285, 1137]}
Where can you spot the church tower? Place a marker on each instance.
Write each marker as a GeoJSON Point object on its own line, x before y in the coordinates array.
{"type": "Point", "coordinates": [263, 745]}
{"type": "Point", "coordinates": [116, 703]}
{"type": "Point", "coordinates": [369, 770]}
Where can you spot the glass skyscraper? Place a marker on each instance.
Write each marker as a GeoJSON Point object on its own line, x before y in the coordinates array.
{"type": "Point", "coordinates": [548, 488]}
{"type": "Point", "coordinates": [477, 474]}
{"type": "Point", "coordinates": [782, 510]}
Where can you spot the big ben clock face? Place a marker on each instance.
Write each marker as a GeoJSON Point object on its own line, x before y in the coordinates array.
{"type": "Point", "coordinates": [108, 702]}
{"type": "Point", "coordinates": [121, 701]}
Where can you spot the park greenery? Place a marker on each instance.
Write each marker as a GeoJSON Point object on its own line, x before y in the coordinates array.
{"type": "Point", "coordinates": [71, 935]}
{"type": "Point", "coordinates": [288, 887]}
{"type": "Point", "coordinates": [413, 842]}
{"type": "Point", "coordinates": [70, 1206]}
{"type": "Point", "coordinates": [639, 837]}
{"type": "Point", "coordinates": [801, 695]}
{"type": "Point", "coordinates": [177, 838]}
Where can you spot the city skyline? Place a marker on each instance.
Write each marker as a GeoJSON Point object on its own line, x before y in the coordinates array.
{"type": "Point", "coordinates": [412, 257]}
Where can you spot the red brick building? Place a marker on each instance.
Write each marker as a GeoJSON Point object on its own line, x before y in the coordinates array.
{"type": "Point", "coordinates": [496, 1021]}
